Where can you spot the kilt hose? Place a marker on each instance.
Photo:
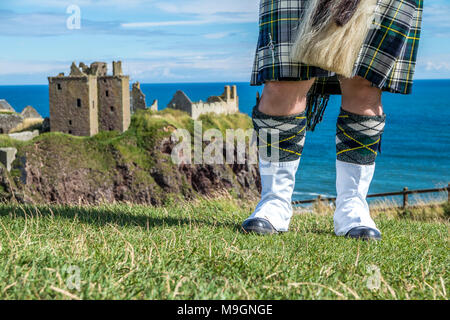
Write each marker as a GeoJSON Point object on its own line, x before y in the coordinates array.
{"type": "Point", "coordinates": [387, 58]}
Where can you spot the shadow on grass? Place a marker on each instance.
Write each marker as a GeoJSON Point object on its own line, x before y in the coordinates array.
{"type": "Point", "coordinates": [102, 217]}
{"type": "Point", "coordinates": [320, 232]}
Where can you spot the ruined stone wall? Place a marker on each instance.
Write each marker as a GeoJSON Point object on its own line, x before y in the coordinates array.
{"type": "Point", "coordinates": [126, 120]}
{"type": "Point", "coordinates": [114, 103]}
{"type": "Point", "coordinates": [137, 98]}
{"type": "Point", "coordinates": [227, 103]}
{"type": "Point", "coordinates": [73, 105]}
{"type": "Point", "coordinates": [154, 106]}
{"type": "Point", "coordinates": [180, 101]}
{"type": "Point", "coordinates": [9, 121]}
{"type": "Point", "coordinates": [223, 107]}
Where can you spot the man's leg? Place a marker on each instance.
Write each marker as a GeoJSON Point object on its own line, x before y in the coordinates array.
{"type": "Point", "coordinates": [280, 122]}
{"type": "Point", "coordinates": [359, 129]}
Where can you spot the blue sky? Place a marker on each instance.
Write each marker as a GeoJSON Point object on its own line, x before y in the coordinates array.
{"type": "Point", "coordinates": [162, 41]}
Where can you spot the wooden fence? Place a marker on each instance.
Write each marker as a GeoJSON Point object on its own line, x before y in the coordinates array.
{"type": "Point", "coordinates": [405, 193]}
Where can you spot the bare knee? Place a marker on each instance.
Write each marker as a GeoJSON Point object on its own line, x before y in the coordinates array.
{"type": "Point", "coordinates": [360, 97]}
{"type": "Point", "coordinates": [281, 98]}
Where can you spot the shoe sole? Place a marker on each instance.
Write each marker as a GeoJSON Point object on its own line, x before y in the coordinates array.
{"type": "Point", "coordinates": [259, 231]}
{"type": "Point", "coordinates": [364, 238]}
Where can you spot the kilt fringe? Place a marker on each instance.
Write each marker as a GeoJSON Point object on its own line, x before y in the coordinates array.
{"type": "Point", "coordinates": [315, 109]}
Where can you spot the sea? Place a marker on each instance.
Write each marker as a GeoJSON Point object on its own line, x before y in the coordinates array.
{"type": "Point", "coordinates": [415, 149]}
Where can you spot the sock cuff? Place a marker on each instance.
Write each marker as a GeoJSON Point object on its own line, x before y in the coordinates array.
{"type": "Point", "coordinates": [359, 118]}
{"type": "Point", "coordinates": [260, 115]}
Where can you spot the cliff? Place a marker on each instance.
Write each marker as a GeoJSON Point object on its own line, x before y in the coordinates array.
{"type": "Point", "coordinates": [134, 166]}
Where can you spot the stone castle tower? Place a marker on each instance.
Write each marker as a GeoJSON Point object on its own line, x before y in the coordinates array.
{"type": "Point", "coordinates": [89, 100]}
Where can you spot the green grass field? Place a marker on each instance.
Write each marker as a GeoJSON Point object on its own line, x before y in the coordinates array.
{"type": "Point", "coordinates": [196, 251]}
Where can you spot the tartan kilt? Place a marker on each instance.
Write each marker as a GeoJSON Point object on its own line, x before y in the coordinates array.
{"type": "Point", "coordinates": [387, 59]}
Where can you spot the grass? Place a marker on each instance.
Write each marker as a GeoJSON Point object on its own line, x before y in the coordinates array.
{"type": "Point", "coordinates": [103, 155]}
{"type": "Point", "coordinates": [147, 130]}
{"type": "Point", "coordinates": [29, 125]}
{"type": "Point", "coordinates": [195, 250]}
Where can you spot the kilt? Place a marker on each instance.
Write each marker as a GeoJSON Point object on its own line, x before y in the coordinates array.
{"type": "Point", "coordinates": [387, 58]}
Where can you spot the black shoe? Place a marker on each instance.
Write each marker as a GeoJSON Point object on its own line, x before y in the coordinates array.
{"type": "Point", "coordinates": [364, 233]}
{"type": "Point", "coordinates": [259, 226]}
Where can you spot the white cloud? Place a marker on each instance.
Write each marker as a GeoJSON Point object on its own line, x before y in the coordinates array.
{"type": "Point", "coordinates": [437, 66]}
{"type": "Point", "coordinates": [217, 35]}
{"type": "Point", "coordinates": [213, 19]}
{"type": "Point", "coordinates": [180, 54]}
{"type": "Point", "coordinates": [83, 3]}
{"type": "Point", "coordinates": [203, 12]}
{"type": "Point", "coordinates": [208, 7]}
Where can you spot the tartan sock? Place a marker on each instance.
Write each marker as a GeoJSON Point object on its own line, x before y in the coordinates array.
{"type": "Point", "coordinates": [280, 138]}
{"type": "Point", "coordinates": [358, 138]}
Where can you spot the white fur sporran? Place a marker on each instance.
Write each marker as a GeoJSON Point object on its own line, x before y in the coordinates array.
{"type": "Point", "coordinates": [330, 46]}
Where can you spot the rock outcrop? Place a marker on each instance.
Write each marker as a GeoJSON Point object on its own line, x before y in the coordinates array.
{"type": "Point", "coordinates": [9, 121]}
{"type": "Point", "coordinates": [134, 167]}
{"type": "Point", "coordinates": [24, 135]}
{"type": "Point", "coordinates": [7, 156]}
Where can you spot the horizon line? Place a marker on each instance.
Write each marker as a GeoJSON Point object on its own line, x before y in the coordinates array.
{"type": "Point", "coordinates": [205, 82]}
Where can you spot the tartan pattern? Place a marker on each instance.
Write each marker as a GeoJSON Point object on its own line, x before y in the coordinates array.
{"type": "Point", "coordinates": [286, 134]}
{"type": "Point", "coordinates": [358, 138]}
{"type": "Point", "coordinates": [278, 23]}
{"type": "Point", "coordinates": [387, 58]}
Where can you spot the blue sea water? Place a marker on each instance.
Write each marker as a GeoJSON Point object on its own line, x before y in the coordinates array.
{"type": "Point", "coordinates": [416, 143]}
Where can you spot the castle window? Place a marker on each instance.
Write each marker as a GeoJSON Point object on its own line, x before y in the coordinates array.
{"type": "Point", "coordinates": [59, 86]}
{"type": "Point", "coordinates": [70, 122]}
{"type": "Point", "coordinates": [107, 93]}
{"type": "Point", "coordinates": [1, 130]}
{"type": "Point", "coordinates": [79, 103]}
{"type": "Point", "coordinates": [70, 131]}
{"type": "Point", "coordinates": [112, 109]}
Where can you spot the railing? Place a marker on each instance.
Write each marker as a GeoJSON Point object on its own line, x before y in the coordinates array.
{"type": "Point", "coordinates": [405, 193]}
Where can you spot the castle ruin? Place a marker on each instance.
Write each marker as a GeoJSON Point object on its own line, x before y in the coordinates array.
{"type": "Point", "coordinates": [11, 121]}
{"type": "Point", "coordinates": [138, 99]}
{"type": "Point", "coordinates": [227, 103]}
{"type": "Point", "coordinates": [89, 100]}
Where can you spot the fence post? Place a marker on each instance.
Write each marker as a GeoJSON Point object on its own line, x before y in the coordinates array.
{"type": "Point", "coordinates": [405, 197]}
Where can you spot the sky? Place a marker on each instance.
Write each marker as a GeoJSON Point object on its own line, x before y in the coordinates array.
{"type": "Point", "coordinates": [161, 41]}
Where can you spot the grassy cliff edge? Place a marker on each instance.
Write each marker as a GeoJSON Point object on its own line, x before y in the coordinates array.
{"type": "Point", "coordinates": [132, 167]}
